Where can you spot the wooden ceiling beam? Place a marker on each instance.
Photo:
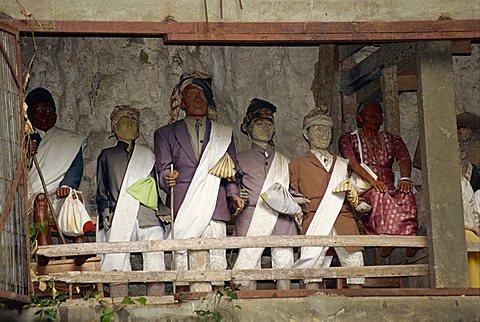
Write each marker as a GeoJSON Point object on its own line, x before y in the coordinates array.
{"type": "Point", "coordinates": [262, 32]}
{"type": "Point", "coordinates": [370, 68]}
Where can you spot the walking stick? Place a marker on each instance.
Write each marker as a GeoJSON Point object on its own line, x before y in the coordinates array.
{"type": "Point", "coordinates": [49, 201]}
{"type": "Point", "coordinates": [172, 230]}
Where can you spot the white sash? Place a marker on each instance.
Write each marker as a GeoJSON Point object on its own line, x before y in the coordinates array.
{"type": "Point", "coordinates": [55, 155]}
{"type": "Point", "coordinates": [264, 218]}
{"type": "Point", "coordinates": [140, 165]}
{"type": "Point", "coordinates": [325, 216]}
{"type": "Point", "coordinates": [201, 198]}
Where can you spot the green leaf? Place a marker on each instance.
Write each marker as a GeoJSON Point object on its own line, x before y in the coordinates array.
{"type": "Point", "coordinates": [127, 300]}
{"type": "Point", "coordinates": [202, 312]}
{"type": "Point", "coordinates": [62, 297]}
{"type": "Point", "coordinates": [217, 317]}
{"type": "Point", "coordinates": [142, 300]}
{"type": "Point", "coordinates": [232, 295]}
{"type": "Point", "coordinates": [103, 303]}
{"type": "Point", "coordinates": [51, 283]}
{"type": "Point", "coordinates": [31, 231]}
{"type": "Point", "coordinates": [51, 314]}
{"type": "Point", "coordinates": [107, 317]}
{"type": "Point", "coordinates": [107, 314]}
{"type": "Point", "coordinates": [219, 294]}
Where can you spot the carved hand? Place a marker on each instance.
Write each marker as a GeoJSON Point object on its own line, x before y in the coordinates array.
{"type": "Point", "coordinates": [405, 186]}
{"type": "Point", "coordinates": [171, 178]}
{"type": "Point", "coordinates": [237, 203]}
{"type": "Point", "coordinates": [379, 186]}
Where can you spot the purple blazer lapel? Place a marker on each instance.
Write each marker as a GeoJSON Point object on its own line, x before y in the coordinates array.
{"type": "Point", "coordinates": [183, 139]}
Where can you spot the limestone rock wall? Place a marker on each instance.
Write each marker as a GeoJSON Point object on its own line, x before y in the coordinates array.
{"type": "Point", "coordinates": [89, 76]}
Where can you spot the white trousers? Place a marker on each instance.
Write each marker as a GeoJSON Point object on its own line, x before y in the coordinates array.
{"type": "Point", "coordinates": [152, 261]}
{"type": "Point", "coordinates": [347, 259]}
{"type": "Point", "coordinates": [218, 259]}
{"type": "Point", "coordinates": [282, 257]}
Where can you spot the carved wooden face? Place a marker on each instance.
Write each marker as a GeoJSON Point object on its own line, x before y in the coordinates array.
{"type": "Point", "coordinates": [262, 129]}
{"type": "Point", "coordinates": [319, 136]}
{"type": "Point", "coordinates": [194, 101]}
{"type": "Point", "coordinates": [371, 117]}
{"type": "Point", "coordinates": [42, 115]}
{"type": "Point", "coordinates": [126, 129]}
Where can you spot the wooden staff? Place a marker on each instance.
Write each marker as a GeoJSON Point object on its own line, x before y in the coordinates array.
{"type": "Point", "coordinates": [172, 230]}
{"type": "Point", "coordinates": [49, 201]}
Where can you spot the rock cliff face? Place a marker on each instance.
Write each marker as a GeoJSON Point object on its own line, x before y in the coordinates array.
{"type": "Point", "coordinates": [89, 76]}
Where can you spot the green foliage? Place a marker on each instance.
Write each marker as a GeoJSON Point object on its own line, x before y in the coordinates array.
{"type": "Point", "coordinates": [49, 306]}
{"type": "Point", "coordinates": [34, 230]}
{"type": "Point", "coordinates": [109, 309]}
{"type": "Point", "coordinates": [219, 306]}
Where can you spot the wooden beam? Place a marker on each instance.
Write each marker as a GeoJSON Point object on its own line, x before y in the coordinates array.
{"type": "Point", "coordinates": [198, 261]}
{"type": "Point", "coordinates": [407, 83]}
{"type": "Point", "coordinates": [371, 68]}
{"type": "Point", "coordinates": [14, 297]}
{"type": "Point", "coordinates": [323, 85]}
{"type": "Point", "coordinates": [364, 292]}
{"type": "Point", "coordinates": [345, 51]}
{"type": "Point", "coordinates": [243, 275]}
{"type": "Point", "coordinates": [446, 236]}
{"type": "Point", "coordinates": [390, 99]}
{"type": "Point", "coordinates": [255, 32]}
{"type": "Point", "coordinates": [461, 48]}
{"type": "Point", "coordinates": [370, 92]}
{"type": "Point", "coordinates": [228, 243]}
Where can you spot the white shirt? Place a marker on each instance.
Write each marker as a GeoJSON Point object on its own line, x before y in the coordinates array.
{"type": "Point", "coordinates": [325, 158]}
{"type": "Point", "coordinates": [196, 140]}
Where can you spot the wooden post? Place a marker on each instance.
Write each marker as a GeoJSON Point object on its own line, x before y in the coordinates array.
{"type": "Point", "coordinates": [441, 165]}
{"type": "Point", "coordinates": [198, 261]}
{"type": "Point", "coordinates": [323, 84]}
{"type": "Point", "coordinates": [390, 100]}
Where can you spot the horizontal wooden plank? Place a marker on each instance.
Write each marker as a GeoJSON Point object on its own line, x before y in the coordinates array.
{"type": "Point", "coordinates": [407, 83]}
{"type": "Point", "coordinates": [7, 296]}
{"type": "Point", "coordinates": [228, 243]}
{"type": "Point", "coordinates": [365, 292]}
{"type": "Point", "coordinates": [307, 32]}
{"type": "Point", "coordinates": [228, 275]}
{"type": "Point", "coordinates": [58, 266]}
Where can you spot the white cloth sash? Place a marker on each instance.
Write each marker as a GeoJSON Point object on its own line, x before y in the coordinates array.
{"type": "Point", "coordinates": [264, 218]}
{"type": "Point", "coordinates": [325, 216]}
{"type": "Point", "coordinates": [201, 198]}
{"type": "Point", "coordinates": [139, 167]}
{"type": "Point", "coordinates": [55, 155]}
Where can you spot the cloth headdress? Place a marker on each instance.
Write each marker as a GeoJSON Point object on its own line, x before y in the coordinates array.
{"type": "Point", "coordinates": [258, 108]}
{"type": "Point", "coordinates": [123, 110]}
{"type": "Point", "coordinates": [38, 95]}
{"type": "Point", "coordinates": [316, 117]}
{"type": "Point", "coordinates": [200, 79]}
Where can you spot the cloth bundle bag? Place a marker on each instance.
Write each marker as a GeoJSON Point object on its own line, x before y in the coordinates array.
{"type": "Point", "coordinates": [73, 218]}
{"type": "Point", "coordinates": [281, 200]}
{"type": "Point", "coordinates": [145, 191]}
{"type": "Point", "coordinates": [358, 182]}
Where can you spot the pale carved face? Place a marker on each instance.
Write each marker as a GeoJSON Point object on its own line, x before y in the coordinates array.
{"type": "Point", "coordinates": [262, 129]}
{"type": "Point", "coordinates": [126, 129]}
{"type": "Point", "coordinates": [319, 136]}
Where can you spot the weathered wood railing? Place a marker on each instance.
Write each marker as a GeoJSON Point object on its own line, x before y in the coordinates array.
{"type": "Point", "coordinates": [198, 245]}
